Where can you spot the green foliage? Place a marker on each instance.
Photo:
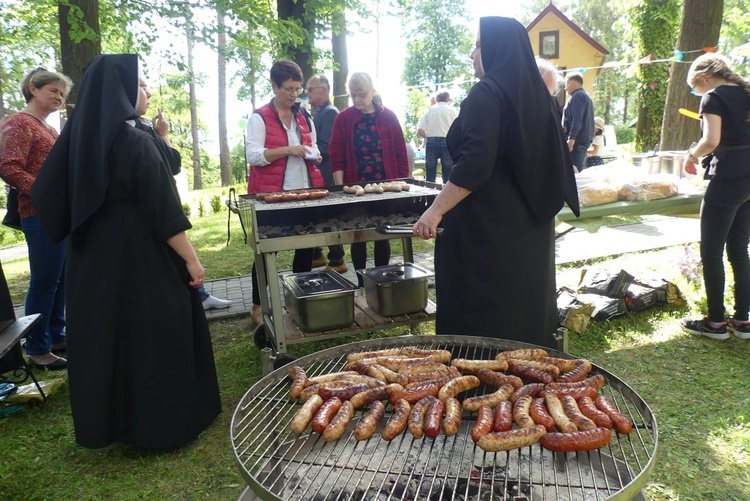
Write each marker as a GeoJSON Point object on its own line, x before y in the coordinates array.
{"type": "Point", "coordinates": [186, 209]}
{"type": "Point", "coordinates": [216, 204]}
{"type": "Point", "coordinates": [238, 163]}
{"type": "Point", "coordinates": [418, 102]}
{"type": "Point", "coordinates": [437, 47]}
{"type": "Point", "coordinates": [201, 209]}
{"type": "Point", "coordinates": [624, 134]}
{"type": "Point", "coordinates": [657, 23]}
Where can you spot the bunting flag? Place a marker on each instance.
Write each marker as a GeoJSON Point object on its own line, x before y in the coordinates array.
{"type": "Point", "coordinates": [709, 49]}
{"type": "Point", "coordinates": [645, 60]}
{"type": "Point", "coordinates": [678, 56]}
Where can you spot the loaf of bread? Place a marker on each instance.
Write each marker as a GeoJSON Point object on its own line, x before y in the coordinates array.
{"type": "Point", "coordinates": [642, 191]}
{"type": "Point", "coordinates": [596, 193]}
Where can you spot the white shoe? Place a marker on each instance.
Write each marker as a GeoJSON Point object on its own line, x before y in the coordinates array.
{"type": "Point", "coordinates": [212, 302]}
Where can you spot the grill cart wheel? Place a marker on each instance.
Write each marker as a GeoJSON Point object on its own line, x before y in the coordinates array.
{"type": "Point", "coordinates": [260, 337]}
{"type": "Point", "coordinates": [282, 359]}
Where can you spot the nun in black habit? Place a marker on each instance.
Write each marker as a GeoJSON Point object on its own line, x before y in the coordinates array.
{"type": "Point", "coordinates": [141, 368]}
{"type": "Point", "coordinates": [495, 260]}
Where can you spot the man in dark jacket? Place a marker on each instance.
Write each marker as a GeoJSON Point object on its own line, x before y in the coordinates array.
{"type": "Point", "coordinates": [324, 113]}
{"type": "Point", "coordinates": [578, 120]}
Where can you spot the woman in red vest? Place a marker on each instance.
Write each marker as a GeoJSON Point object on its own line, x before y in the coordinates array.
{"type": "Point", "coordinates": [367, 145]}
{"type": "Point", "coordinates": [282, 153]}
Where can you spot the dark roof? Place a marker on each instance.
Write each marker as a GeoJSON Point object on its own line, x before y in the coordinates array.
{"type": "Point", "coordinates": [554, 10]}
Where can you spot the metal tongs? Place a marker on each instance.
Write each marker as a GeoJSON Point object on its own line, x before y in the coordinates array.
{"type": "Point", "coordinates": [388, 229]}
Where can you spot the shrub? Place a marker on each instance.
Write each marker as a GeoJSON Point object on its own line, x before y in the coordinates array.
{"type": "Point", "coordinates": [201, 208]}
{"type": "Point", "coordinates": [186, 209]}
{"type": "Point", "coordinates": [624, 134]}
{"type": "Point", "coordinates": [216, 204]}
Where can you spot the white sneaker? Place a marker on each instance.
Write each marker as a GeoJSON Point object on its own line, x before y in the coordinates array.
{"type": "Point", "coordinates": [212, 302]}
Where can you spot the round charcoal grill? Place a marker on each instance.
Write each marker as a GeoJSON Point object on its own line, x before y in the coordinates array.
{"type": "Point", "coordinates": [278, 464]}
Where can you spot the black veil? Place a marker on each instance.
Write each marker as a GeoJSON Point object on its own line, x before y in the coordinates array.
{"type": "Point", "coordinates": [539, 157]}
{"type": "Point", "coordinates": [71, 184]}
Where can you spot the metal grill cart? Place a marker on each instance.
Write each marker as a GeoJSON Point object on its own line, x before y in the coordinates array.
{"type": "Point", "coordinates": [340, 218]}
{"type": "Point", "coordinates": [279, 465]}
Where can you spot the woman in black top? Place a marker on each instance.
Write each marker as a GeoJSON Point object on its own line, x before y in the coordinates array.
{"type": "Point", "coordinates": [495, 261]}
{"type": "Point", "coordinates": [725, 213]}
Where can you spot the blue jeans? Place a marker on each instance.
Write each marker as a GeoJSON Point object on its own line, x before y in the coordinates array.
{"type": "Point", "coordinates": [725, 221]}
{"type": "Point", "coordinates": [46, 293]}
{"type": "Point", "coordinates": [202, 293]}
{"type": "Point", "coordinates": [436, 148]}
{"type": "Point", "coordinates": [578, 155]}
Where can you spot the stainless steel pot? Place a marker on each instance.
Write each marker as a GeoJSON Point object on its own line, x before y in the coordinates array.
{"type": "Point", "coordinates": [319, 300]}
{"type": "Point", "coordinates": [396, 289]}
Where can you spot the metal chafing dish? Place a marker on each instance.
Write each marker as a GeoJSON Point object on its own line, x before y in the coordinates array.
{"type": "Point", "coordinates": [340, 218]}
{"type": "Point", "coordinates": [279, 465]}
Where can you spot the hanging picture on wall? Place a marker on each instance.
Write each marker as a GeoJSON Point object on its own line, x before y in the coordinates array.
{"type": "Point", "coordinates": [549, 44]}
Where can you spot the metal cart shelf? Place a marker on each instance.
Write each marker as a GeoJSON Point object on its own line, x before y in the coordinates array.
{"type": "Point", "coordinates": [278, 329]}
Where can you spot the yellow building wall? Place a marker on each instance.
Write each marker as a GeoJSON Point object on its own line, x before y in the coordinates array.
{"type": "Point", "coordinates": [574, 51]}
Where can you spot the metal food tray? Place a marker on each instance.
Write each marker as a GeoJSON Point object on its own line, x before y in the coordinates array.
{"type": "Point", "coordinates": [279, 465]}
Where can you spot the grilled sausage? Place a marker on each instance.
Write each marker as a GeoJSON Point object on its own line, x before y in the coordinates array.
{"type": "Point", "coordinates": [491, 400]}
{"type": "Point", "coordinates": [416, 416]}
{"type": "Point", "coordinates": [539, 414]}
{"type": "Point", "coordinates": [392, 376]}
{"type": "Point", "coordinates": [588, 409]}
{"type": "Point", "coordinates": [621, 423]}
{"type": "Point", "coordinates": [315, 389]}
{"type": "Point", "coordinates": [596, 381]}
{"type": "Point", "coordinates": [531, 374]}
{"type": "Point", "coordinates": [318, 194]}
{"type": "Point", "coordinates": [525, 353]}
{"type": "Point", "coordinates": [433, 418]}
{"type": "Point", "coordinates": [415, 394]}
{"type": "Point", "coordinates": [397, 422]}
{"type": "Point", "coordinates": [578, 373]}
{"type": "Point", "coordinates": [368, 424]}
{"type": "Point", "coordinates": [532, 389]}
{"type": "Point", "coordinates": [512, 439]}
{"type": "Point", "coordinates": [339, 423]}
{"type": "Point", "coordinates": [289, 196]}
{"type": "Point", "coordinates": [550, 369]}
{"type": "Point", "coordinates": [484, 423]}
{"type": "Point", "coordinates": [498, 379]}
{"type": "Point", "coordinates": [299, 378]}
{"type": "Point", "coordinates": [555, 408]}
{"type": "Point", "coordinates": [369, 396]}
{"type": "Point", "coordinates": [272, 198]}
{"type": "Point", "coordinates": [303, 195]}
{"type": "Point", "coordinates": [473, 366]}
{"type": "Point", "coordinates": [571, 409]}
{"type": "Point", "coordinates": [583, 391]}
{"type": "Point", "coordinates": [564, 364]}
{"type": "Point", "coordinates": [436, 374]}
{"type": "Point", "coordinates": [440, 382]}
{"type": "Point", "coordinates": [578, 441]}
{"type": "Point", "coordinates": [325, 413]}
{"type": "Point", "coordinates": [521, 412]}
{"type": "Point", "coordinates": [344, 392]}
{"type": "Point", "coordinates": [419, 367]}
{"type": "Point", "coordinates": [305, 414]}
{"type": "Point", "coordinates": [456, 386]}
{"type": "Point", "coordinates": [452, 419]}
{"type": "Point", "coordinates": [503, 416]}
{"type": "Point", "coordinates": [333, 376]}
{"type": "Point", "coordinates": [369, 369]}
{"type": "Point", "coordinates": [443, 356]}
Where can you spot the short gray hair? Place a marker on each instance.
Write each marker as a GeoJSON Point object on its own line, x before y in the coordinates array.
{"type": "Point", "coordinates": [547, 68]}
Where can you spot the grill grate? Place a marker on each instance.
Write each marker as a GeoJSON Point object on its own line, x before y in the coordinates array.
{"type": "Point", "coordinates": [278, 464]}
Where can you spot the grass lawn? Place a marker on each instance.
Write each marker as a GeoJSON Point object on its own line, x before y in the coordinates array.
{"type": "Point", "coordinates": [696, 387]}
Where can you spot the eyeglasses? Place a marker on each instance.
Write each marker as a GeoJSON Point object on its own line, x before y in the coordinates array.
{"type": "Point", "coordinates": [292, 90]}
{"type": "Point", "coordinates": [358, 95]}
{"type": "Point", "coordinates": [310, 89]}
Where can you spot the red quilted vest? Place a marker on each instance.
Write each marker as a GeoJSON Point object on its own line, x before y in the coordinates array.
{"type": "Point", "coordinates": [270, 177]}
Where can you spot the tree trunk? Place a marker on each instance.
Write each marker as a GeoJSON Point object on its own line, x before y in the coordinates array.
{"type": "Point", "coordinates": [340, 60]}
{"type": "Point", "coordinates": [77, 55]}
{"type": "Point", "coordinates": [302, 54]}
{"type": "Point", "coordinates": [197, 180]}
{"type": "Point", "coordinates": [224, 160]}
{"type": "Point", "coordinates": [700, 27]}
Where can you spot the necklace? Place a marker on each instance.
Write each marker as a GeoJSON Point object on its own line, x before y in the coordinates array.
{"type": "Point", "coordinates": [44, 124]}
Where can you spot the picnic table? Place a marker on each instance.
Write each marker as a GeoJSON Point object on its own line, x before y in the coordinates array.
{"type": "Point", "coordinates": [591, 219]}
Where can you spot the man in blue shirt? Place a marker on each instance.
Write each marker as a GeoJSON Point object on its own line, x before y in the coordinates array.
{"type": "Point", "coordinates": [578, 120]}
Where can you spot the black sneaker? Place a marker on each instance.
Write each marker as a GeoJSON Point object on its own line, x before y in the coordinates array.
{"type": "Point", "coordinates": [714, 330]}
{"type": "Point", "coordinates": [740, 329]}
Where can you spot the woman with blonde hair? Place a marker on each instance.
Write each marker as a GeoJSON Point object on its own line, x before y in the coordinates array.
{"type": "Point", "coordinates": [367, 145]}
{"type": "Point", "coordinates": [725, 212]}
{"type": "Point", "coordinates": [27, 143]}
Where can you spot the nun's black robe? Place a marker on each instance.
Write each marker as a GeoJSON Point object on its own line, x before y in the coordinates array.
{"type": "Point", "coordinates": [495, 261]}
{"type": "Point", "coordinates": [141, 363]}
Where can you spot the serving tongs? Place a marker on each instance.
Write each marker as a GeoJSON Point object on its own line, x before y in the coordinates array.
{"type": "Point", "coordinates": [388, 229]}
